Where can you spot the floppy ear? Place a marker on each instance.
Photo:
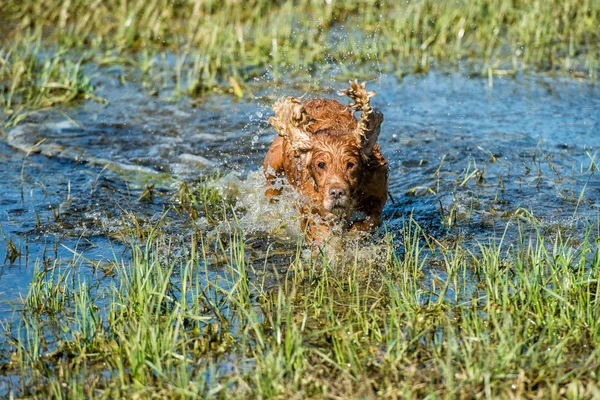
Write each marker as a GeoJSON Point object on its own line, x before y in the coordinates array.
{"type": "Point", "coordinates": [371, 131]}
{"type": "Point", "coordinates": [291, 122]}
{"type": "Point", "coordinates": [369, 126]}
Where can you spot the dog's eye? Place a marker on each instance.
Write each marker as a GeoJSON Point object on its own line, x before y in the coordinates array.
{"type": "Point", "coordinates": [321, 165]}
{"type": "Point", "coordinates": [350, 165]}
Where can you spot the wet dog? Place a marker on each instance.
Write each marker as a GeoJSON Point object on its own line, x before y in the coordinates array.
{"type": "Point", "coordinates": [330, 158]}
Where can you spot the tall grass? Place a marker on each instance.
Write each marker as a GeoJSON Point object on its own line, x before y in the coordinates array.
{"type": "Point", "coordinates": [33, 76]}
{"type": "Point", "coordinates": [516, 320]}
{"type": "Point", "coordinates": [203, 44]}
{"type": "Point", "coordinates": [229, 36]}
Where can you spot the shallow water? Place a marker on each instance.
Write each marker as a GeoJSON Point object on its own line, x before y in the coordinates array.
{"type": "Point", "coordinates": [463, 157]}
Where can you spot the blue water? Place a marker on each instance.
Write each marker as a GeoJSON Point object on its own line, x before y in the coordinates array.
{"type": "Point", "coordinates": [456, 146]}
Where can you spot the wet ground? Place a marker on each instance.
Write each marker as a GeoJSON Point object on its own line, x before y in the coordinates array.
{"type": "Point", "coordinates": [464, 157]}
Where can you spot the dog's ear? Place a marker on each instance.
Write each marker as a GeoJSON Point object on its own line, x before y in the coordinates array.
{"type": "Point", "coordinates": [369, 126]}
{"type": "Point", "coordinates": [291, 122]}
{"type": "Point", "coordinates": [370, 131]}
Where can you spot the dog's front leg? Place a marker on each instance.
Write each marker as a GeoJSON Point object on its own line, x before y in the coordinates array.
{"type": "Point", "coordinates": [273, 168]}
{"type": "Point", "coordinates": [315, 231]}
{"type": "Point", "coordinates": [368, 224]}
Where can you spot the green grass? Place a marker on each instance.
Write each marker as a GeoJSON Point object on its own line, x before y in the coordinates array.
{"type": "Point", "coordinates": [33, 77]}
{"type": "Point", "coordinates": [498, 320]}
{"type": "Point", "coordinates": [410, 316]}
{"type": "Point", "coordinates": [198, 46]}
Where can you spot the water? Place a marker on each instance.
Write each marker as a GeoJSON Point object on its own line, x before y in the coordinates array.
{"type": "Point", "coordinates": [463, 157]}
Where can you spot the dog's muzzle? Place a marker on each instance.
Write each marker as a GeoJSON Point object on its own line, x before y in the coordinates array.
{"type": "Point", "coordinates": [338, 200]}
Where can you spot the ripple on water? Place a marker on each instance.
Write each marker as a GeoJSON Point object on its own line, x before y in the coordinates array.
{"type": "Point", "coordinates": [464, 157]}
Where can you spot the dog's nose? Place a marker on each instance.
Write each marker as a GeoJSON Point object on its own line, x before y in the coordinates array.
{"type": "Point", "coordinates": [337, 193]}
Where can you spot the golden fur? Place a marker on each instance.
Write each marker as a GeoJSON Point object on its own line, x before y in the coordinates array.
{"type": "Point", "coordinates": [330, 158]}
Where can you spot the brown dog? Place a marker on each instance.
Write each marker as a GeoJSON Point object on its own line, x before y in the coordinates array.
{"type": "Point", "coordinates": [330, 158]}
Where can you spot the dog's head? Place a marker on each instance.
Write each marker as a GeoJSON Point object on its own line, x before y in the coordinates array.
{"type": "Point", "coordinates": [334, 147]}
{"type": "Point", "coordinates": [336, 166]}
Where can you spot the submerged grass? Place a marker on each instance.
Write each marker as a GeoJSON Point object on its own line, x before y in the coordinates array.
{"type": "Point", "coordinates": [199, 45]}
{"type": "Point", "coordinates": [497, 321]}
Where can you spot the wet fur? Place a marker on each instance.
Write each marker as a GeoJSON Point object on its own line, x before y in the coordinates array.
{"type": "Point", "coordinates": [330, 135]}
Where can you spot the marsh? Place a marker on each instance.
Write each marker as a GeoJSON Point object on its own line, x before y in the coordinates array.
{"type": "Point", "coordinates": [141, 257]}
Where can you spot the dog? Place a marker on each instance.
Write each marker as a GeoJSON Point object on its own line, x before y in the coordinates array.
{"type": "Point", "coordinates": [331, 159]}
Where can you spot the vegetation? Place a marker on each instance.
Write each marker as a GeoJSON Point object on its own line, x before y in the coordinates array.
{"type": "Point", "coordinates": [221, 314]}
{"type": "Point", "coordinates": [497, 320]}
{"type": "Point", "coordinates": [201, 45]}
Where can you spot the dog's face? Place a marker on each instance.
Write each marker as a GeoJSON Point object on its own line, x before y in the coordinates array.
{"type": "Point", "coordinates": [334, 148]}
{"type": "Point", "coordinates": [336, 168]}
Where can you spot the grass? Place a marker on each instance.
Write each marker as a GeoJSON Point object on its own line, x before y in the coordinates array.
{"type": "Point", "coordinates": [224, 316]}
{"type": "Point", "coordinates": [498, 320]}
{"type": "Point", "coordinates": [36, 78]}
{"type": "Point", "coordinates": [51, 48]}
